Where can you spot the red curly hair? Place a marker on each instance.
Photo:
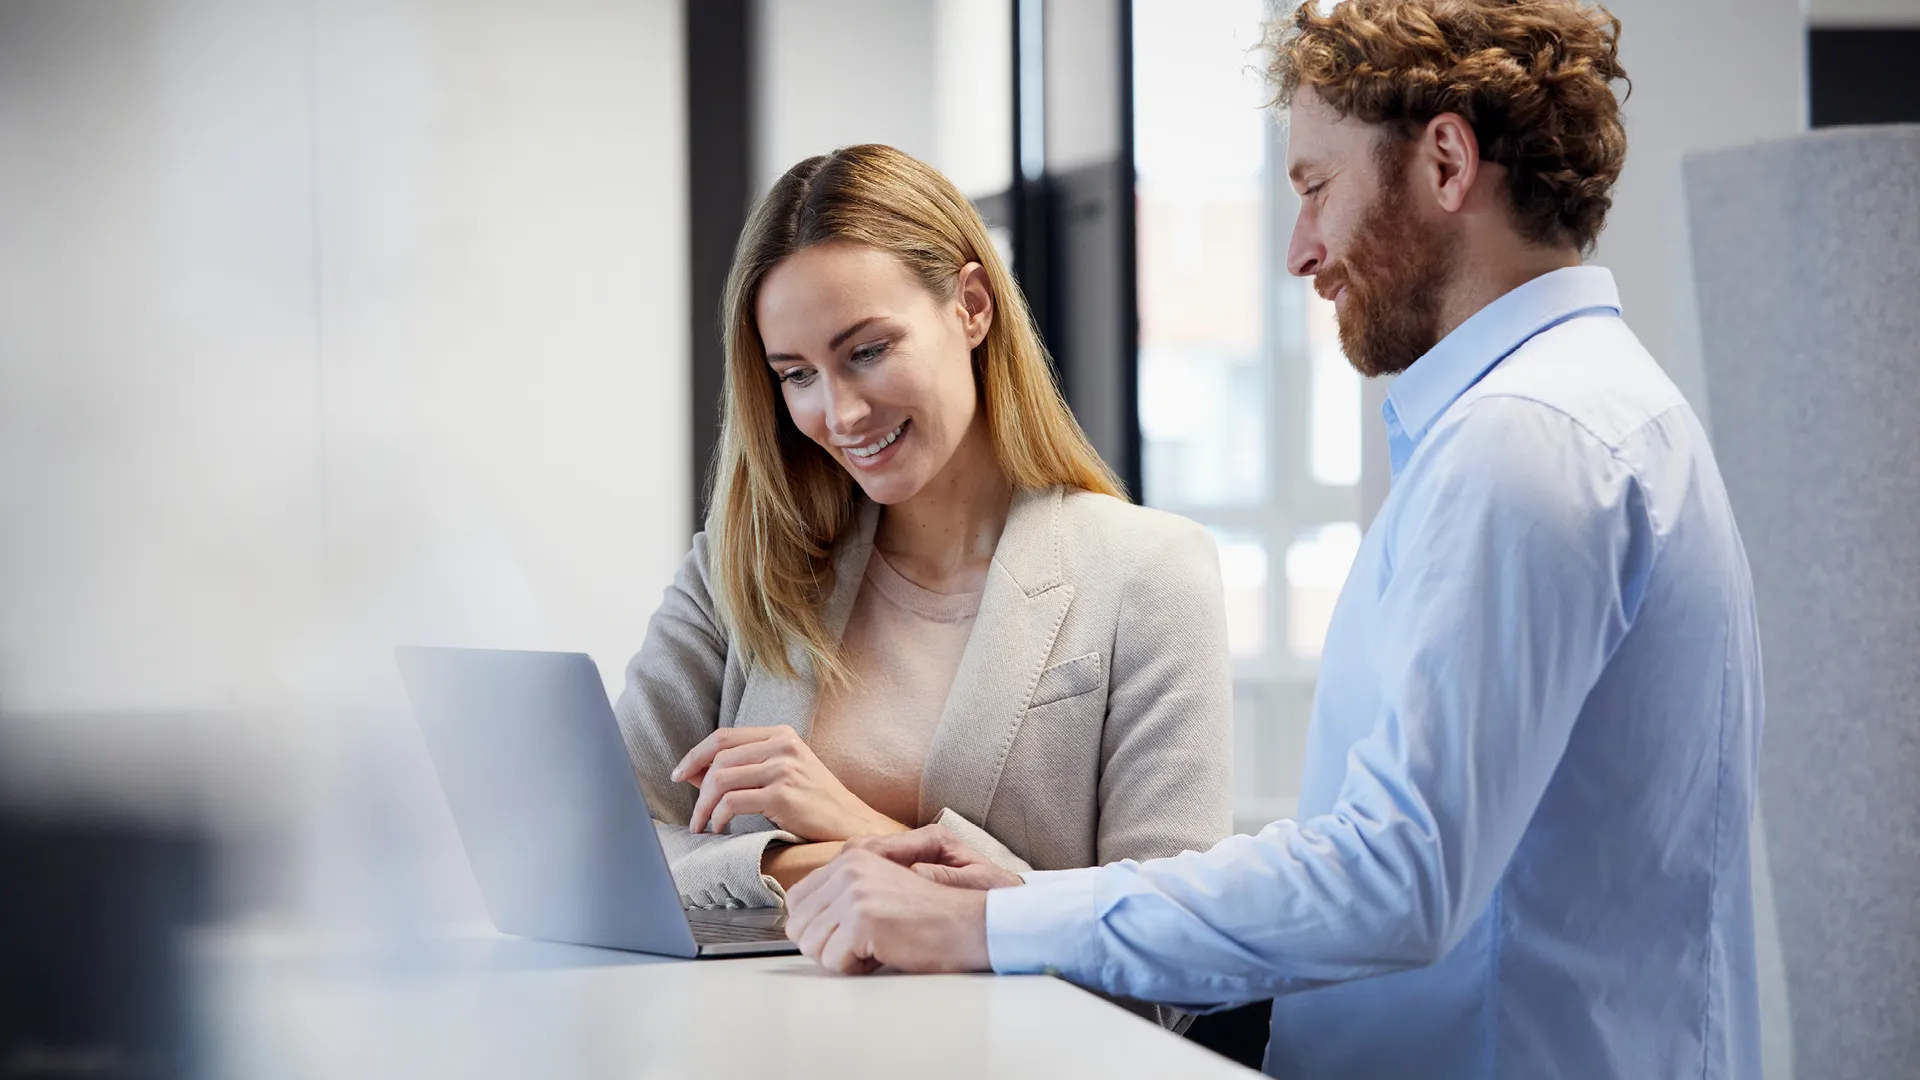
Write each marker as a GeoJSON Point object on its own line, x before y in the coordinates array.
{"type": "Point", "coordinates": [1532, 77]}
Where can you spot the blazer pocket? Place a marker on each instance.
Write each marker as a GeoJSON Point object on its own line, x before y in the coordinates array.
{"type": "Point", "coordinates": [1068, 678]}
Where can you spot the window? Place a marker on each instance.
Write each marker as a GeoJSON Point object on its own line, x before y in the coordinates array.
{"type": "Point", "coordinates": [1250, 416]}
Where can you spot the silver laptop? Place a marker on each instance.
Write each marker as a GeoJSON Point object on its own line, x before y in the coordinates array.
{"type": "Point", "coordinates": [544, 796]}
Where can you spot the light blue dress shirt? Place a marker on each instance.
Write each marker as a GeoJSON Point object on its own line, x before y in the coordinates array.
{"type": "Point", "coordinates": [1522, 841]}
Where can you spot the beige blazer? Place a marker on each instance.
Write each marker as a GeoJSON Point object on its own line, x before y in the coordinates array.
{"type": "Point", "coordinates": [1089, 720]}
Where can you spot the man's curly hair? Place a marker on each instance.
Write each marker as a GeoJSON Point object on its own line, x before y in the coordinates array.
{"type": "Point", "coordinates": [1531, 76]}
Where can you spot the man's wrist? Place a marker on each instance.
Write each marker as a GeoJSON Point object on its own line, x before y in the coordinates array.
{"type": "Point", "coordinates": [969, 946]}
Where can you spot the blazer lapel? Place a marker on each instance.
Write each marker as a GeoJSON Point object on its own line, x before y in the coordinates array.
{"type": "Point", "coordinates": [1021, 611]}
{"type": "Point", "coordinates": [768, 700]}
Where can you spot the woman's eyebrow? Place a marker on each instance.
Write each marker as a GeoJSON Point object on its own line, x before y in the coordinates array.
{"type": "Point", "coordinates": [839, 339]}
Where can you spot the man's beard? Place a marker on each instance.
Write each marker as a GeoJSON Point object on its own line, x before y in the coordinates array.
{"type": "Point", "coordinates": [1396, 276]}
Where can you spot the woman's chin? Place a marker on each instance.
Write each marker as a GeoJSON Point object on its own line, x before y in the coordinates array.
{"type": "Point", "coordinates": [888, 488]}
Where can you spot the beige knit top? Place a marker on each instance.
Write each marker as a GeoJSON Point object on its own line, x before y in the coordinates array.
{"type": "Point", "coordinates": [903, 643]}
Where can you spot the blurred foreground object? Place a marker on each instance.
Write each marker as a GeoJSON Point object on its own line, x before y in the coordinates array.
{"type": "Point", "coordinates": [94, 902]}
{"type": "Point", "coordinates": [92, 978]}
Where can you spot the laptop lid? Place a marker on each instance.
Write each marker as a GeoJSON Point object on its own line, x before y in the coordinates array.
{"type": "Point", "coordinates": [535, 771]}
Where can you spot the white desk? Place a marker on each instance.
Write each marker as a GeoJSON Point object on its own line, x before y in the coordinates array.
{"type": "Point", "coordinates": [478, 1005]}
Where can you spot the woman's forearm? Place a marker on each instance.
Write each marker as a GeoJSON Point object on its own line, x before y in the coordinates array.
{"type": "Point", "coordinates": [788, 863]}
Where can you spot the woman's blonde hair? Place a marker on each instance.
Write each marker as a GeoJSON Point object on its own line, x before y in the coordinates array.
{"type": "Point", "coordinates": [779, 502]}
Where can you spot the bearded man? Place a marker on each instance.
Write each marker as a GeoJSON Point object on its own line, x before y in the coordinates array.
{"type": "Point", "coordinates": [1522, 843]}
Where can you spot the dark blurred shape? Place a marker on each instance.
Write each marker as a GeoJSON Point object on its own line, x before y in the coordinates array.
{"type": "Point", "coordinates": [1073, 219]}
{"type": "Point", "coordinates": [1863, 75]}
{"type": "Point", "coordinates": [719, 52]}
{"type": "Point", "coordinates": [1238, 1034]}
{"type": "Point", "coordinates": [93, 982]}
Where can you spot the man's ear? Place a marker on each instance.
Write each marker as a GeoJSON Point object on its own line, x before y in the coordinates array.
{"type": "Point", "coordinates": [1450, 152]}
{"type": "Point", "coordinates": [976, 302]}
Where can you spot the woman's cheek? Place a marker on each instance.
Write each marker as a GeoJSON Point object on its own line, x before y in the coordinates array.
{"type": "Point", "coordinates": [805, 416]}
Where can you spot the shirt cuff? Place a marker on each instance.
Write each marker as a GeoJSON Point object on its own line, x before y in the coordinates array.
{"type": "Point", "coordinates": [1047, 926]}
{"type": "Point", "coordinates": [1041, 877]}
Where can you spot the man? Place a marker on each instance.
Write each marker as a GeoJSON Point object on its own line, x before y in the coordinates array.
{"type": "Point", "coordinates": [1522, 843]}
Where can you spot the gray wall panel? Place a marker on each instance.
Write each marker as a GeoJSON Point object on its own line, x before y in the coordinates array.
{"type": "Point", "coordinates": [1807, 260]}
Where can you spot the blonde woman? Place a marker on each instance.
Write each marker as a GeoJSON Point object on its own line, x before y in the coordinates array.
{"type": "Point", "coordinates": [920, 596]}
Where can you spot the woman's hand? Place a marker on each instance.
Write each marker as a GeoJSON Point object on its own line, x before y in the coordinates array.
{"type": "Point", "coordinates": [773, 772]}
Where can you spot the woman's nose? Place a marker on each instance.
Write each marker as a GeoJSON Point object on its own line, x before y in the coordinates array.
{"type": "Point", "coordinates": [846, 407]}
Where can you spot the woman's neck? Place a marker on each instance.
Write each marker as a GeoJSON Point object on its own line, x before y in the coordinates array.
{"type": "Point", "coordinates": [942, 539]}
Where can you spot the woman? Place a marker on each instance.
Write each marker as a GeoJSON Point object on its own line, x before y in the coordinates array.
{"type": "Point", "coordinates": [920, 596]}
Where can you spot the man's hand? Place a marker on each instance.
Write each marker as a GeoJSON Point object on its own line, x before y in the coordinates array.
{"type": "Point", "coordinates": [772, 771]}
{"type": "Point", "coordinates": [935, 853]}
{"type": "Point", "coordinates": [862, 912]}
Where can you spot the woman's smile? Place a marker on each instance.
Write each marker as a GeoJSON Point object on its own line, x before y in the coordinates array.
{"type": "Point", "coordinates": [876, 452]}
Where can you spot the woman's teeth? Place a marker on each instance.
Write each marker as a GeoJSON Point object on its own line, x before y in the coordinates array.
{"type": "Point", "coordinates": [875, 447]}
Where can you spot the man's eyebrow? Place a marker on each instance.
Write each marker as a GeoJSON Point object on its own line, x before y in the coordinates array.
{"type": "Point", "coordinates": [839, 339]}
{"type": "Point", "coordinates": [1299, 170]}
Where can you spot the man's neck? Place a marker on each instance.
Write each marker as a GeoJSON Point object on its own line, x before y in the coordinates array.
{"type": "Point", "coordinates": [943, 537]}
{"type": "Point", "coordinates": [1494, 271]}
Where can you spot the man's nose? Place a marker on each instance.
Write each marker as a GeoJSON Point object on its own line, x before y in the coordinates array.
{"type": "Point", "coordinates": [1305, 253]}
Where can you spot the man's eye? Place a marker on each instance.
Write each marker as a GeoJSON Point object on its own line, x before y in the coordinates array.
{"type": "Point", "coordinates": [1314, 189]}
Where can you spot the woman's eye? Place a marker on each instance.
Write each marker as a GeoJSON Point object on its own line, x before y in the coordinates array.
{"type": "Point", "coordinates": [797, 376]}
{"type": "Point", "coordinates": [867, 354]}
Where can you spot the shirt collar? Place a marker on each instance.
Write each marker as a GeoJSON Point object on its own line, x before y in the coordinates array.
{"type": "Point", "coordinates": [1422, 392]}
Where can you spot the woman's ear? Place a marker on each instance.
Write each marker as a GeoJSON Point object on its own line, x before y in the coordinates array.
{"type": "Point", "coordinates": [976, 303]}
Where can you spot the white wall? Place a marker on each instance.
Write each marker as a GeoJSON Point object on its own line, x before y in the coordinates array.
{"type": "Point", "coordinates": [1081, 42]}
{"type": "Point", "coordinates": [1863, 12]}
{"type": "Point", "coordinates": [831, 73]}
{"type": "Point", "coordinates": [931, 77]}
{"type": "Point", "coordinates": [1706, 74]}
{"type": "Point", "coordinates": [326, 325]}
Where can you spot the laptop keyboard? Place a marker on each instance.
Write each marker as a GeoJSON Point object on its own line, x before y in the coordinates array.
{"type": "Point", "coordinates": [768, 928]}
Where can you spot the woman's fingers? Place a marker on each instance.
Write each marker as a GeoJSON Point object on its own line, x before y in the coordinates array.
{"type": "Point", "coordinates": [746, 754]}
{"type": "Point", "coordinates": [697, 759]}
{"type": "Point", "coordinates": [753, 800]}
{"type": "Point", "coordinates": [721, 782]}
{"type": "Point", "coordinates": [724, 740]}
